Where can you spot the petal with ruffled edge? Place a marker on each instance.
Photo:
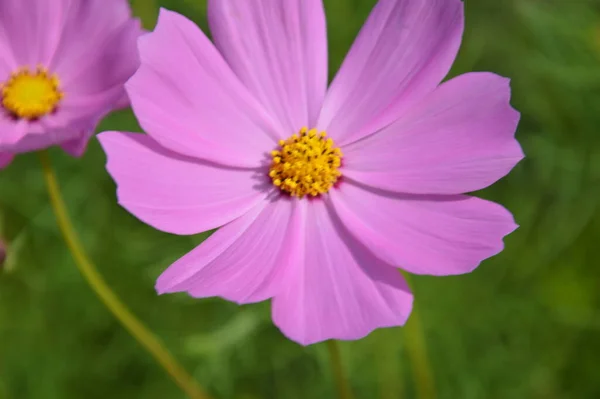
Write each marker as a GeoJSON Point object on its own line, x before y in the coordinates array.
{"type": "Point", "coordinates": [187, 98]}
{"type": "Point", "coordinates": [334, 288]}
{"type": "Point", "coordinates": [403, 51]}
{"type": "Point", "coordinates": [458, 139]}
{"type": "Point", "coordinates": [5, 159]}
{"type": "Point", "coordinates": [174, 193]}
{"type": "Point", "coordinates": [278, 49]}
{"type": "Point", "coordinates": [436, 235]}
{"type": "Point", "coordinates": [241, 261]}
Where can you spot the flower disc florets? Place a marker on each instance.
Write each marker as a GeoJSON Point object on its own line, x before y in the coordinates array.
{"type": "Point", "coordinates": [306, 164]}
{"type": "Point", "coordinates": [31, 94]}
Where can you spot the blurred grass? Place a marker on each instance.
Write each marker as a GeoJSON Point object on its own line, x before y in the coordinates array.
{"type": "Point", "coordinates": [524, 325]}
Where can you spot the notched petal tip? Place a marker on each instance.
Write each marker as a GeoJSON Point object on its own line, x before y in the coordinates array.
{"type": "Point", "coordinates": [335, 288]}
{"type": "Point", "coordinates": [173, 193]}
{"type": "Point", "coordinates": [306, 339]}
{"type": "Point", "coordinates": [403, 51]}
{"type": "Point", "coordinates": [458, 139]}
{"type": "Point", "coordinates": [181, 76]}
{"type": "Point", "coordinates": [441, 235]}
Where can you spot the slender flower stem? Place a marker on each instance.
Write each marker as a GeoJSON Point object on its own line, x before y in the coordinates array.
{"type": "Point", "coordinates": [388, 369]}
{"type": "Point", "coordinates": [417, 355]}
{"type": "Point", "coordinates": [341, 382]}
{"type": "Point", "coordinates": [141, 333]}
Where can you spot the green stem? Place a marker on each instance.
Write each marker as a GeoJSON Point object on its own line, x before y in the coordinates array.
{"type": "Point", "coordinates": [416, 348]}
{"type": "Point", "coordinates": [140, 332]}
{"type": "Point", "coordinates": [389, 369]}
{"type": "Point", "coordinates": [341, 382]}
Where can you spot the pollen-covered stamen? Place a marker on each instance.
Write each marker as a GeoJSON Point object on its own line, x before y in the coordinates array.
{"type": "Point", "coordinates": [31, 94]}
{"type": "Point", "coordinates": [306, 164]}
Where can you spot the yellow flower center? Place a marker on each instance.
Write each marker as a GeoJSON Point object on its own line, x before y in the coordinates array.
{"type": "Point", "coordinates": [306, 164]}
{"type": "Point", "coordinates": [31, 94]}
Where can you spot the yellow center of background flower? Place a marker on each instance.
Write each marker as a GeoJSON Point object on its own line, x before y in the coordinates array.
{"type": "Point", "coordinates": [31, 94]}
{"type": "Point", "coordinates": [306, 164]}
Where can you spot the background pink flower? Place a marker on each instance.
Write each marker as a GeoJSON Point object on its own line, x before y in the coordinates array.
{"type": "Point", "coordinates": [63, 64]}
{"type": "Point", "coordinates": [220, 151]}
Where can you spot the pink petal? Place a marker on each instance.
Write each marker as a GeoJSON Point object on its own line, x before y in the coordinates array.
{"type": "Point", "coordinates": [27, 30]}
{"type": "Point", "coordinates": [173, 193]}
{"type": "Point", "coordinates": [187, 98]}
{"type": "Point", "coordinates": [19, 135]}
{"type": "Point", "coordinates": [76, 147]}
{"type": "Point", "coordinates": [278, 49]}
{"type": "Point", "coordinates": [437, 235]}
{"type": "Point", "coordinates": [96, 55]}
{"type": "Point", "coordinates": [458, 139]}
{"type": "Point", "coordinates": [5, 159]}
{"type": "Point", "coordinates": [92, 33]}
{"type": "Point", "coordinates": [11, 131]}
{"type": "Point", "coordinates": [122, 102]}
{"type": "Point", "coordinates": [240, 261]}
{"type": "Point", "coordinates": [83, 110]}
{"type": "Point", "coordinates": [403, 52]}
{"type": "Point", "coordinates": [8, 63]}
{"type": "Point", "coordinates": [333, 287]}
{"type": "Point", "coordinates": [94, 84]}
{"type": "Point", "coordinates": [37, 31]}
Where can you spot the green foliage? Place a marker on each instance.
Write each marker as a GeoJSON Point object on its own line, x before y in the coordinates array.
{"type": "Point", "coordinates": [524, 325]}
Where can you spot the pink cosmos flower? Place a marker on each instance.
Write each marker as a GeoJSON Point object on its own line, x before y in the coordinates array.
{"type": "Point", "coordinates": [321, 194]}
{"type": "Point", "coordinates": [63, 64]}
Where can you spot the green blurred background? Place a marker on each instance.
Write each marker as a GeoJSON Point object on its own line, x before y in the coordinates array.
{"type": "Point", "coordinates": [526, 324]}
